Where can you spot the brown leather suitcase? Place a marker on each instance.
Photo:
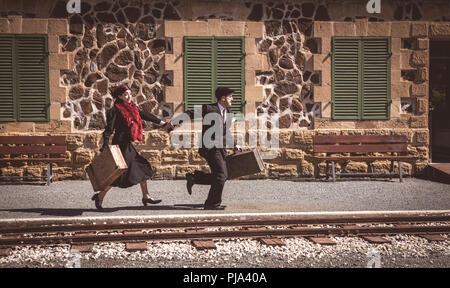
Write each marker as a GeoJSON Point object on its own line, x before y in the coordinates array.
{"type": "Point", "coordinates": [244, 163]}
{"type": "Point", "coordinates": [106, 167]}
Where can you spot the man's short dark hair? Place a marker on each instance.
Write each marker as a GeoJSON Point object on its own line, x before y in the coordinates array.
{"type": "Point", "coordinates": [223, 91]}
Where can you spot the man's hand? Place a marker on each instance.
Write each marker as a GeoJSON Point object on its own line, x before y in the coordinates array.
{"type": "Point", "coordinates": [237, 148]}
{"type": "Point", "coordinates": [167, 126]}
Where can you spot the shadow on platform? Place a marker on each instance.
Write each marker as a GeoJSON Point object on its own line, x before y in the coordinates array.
{"type": "Point", "coordinates": [71, 212]}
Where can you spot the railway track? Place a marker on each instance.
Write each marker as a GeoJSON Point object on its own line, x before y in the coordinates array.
{"type": "Point", "coordinates": [202, 232]}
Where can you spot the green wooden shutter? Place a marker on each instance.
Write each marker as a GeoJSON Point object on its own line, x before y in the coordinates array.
{"type": "Point", "coordinates": [345, 79]}
{"type": "Point", "coordinates": [32, 78]}
{"type": "Point", "coordinates": [6, 78]}
{"type": "Point", "coordinates": [210, 62]}
{"type": "Point", "coordinates": [198, 71]}
{"type": "Point", "coordinates": [230, 69]}
{"type": "Point", "coordinates": [376, 76]}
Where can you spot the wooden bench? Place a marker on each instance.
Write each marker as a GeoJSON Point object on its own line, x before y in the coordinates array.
{"type": "Point", "coordinates": [20, 149]}
{"type": "Point", "coordinates": [361, 148]}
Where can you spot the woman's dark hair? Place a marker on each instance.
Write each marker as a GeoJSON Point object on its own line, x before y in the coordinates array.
{"type": "Point", "coordinates": [119, 90]}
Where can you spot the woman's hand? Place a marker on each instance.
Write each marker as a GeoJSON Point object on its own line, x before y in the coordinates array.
{"type": "Point", "coordinates": [167, 126]}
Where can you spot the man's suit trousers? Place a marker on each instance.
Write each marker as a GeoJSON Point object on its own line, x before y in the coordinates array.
{"type": "Point", "coordinates": [219, 174]}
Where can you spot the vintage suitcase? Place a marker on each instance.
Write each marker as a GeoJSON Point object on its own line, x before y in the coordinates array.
{"type": "Point", "coordinates": [106, 167]}
{"type": "Point", "coordinates": [244, 163]}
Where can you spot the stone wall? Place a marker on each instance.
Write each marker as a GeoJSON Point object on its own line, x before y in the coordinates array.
{"type": "Point", "coordinates": [287, 71]}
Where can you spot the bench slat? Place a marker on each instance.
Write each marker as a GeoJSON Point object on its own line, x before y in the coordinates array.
{"type": "Point", "coordinates": [33, 150]}
{"type": "Point", "coordinates": [347, 139]}
{"type": "Point", "coordinates": [58, 140]}
{"type": "Point", "coordinates": [366, 148]}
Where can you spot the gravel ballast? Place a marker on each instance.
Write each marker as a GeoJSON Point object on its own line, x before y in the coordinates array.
{"type": "Point", "coordinates": [403, 251]}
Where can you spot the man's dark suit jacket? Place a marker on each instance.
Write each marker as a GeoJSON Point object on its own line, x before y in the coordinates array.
{"type": "Point", "coordinates": [213, 108]}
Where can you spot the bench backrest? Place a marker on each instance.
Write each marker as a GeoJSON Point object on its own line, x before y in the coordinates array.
{"type": "Point", "coordinates": [33, 145]}
{"type": "Point", "coordinates": [359, 144]}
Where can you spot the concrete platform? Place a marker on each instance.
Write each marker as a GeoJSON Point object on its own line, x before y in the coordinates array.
{"type": "Point", "coordinates": [71, 199]}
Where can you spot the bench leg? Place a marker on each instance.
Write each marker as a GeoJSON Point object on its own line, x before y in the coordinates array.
{"type": "Point", "coordinates": [334, 171]}
{"type": "Point", "coordinates": [326, 170]}
{"type": "Point", "coordinates": [400, 170]}
{"type": "Point", "coordinates": [49, 173]}
{"type": "Point", "coordinates": [392, 169]}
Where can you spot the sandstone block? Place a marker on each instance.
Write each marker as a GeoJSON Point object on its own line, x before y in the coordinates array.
{"type": "Point", "coordinates": [420, 44]}
{"type": "Point", "coordinates": [419, 30]}
{"type": "Point", "coordinates": [356, 167]}
{"type": "Point", "coordinates": [58, 27]}
{"type": "Point", "coordinates": [54, 126]}
{"type": "Point", "coordinates": [254, 94]}
{"type": "Point", "coordinates": [419, 122]}
{"type": "Point", "coordinates": [82, 157]}
{"type": "Point", "coordinates": [153, 156]}
{"type": "Point", "coordinates": [401, 29]}
{"type": "Point", "coordinates": [361, 27]}
{"type": "Point", "coordinates": [378, 29]}
{"type": "Point", "coordinates": [293, 154]}
{"type": "Point", "coordinates": [4, 25]}
{"type": "Point", "coordinates": [198, 28]}
{"type": "Point", "coordinates": [440, 29]}
{"type": "Point", "coordinates": [164, 172]}
{"type": "Point", "coordinates": [323, 29]}
{"type": "Point", "coordinates": [173, 94]}
{"type": "Point", "coordinates": [344, 29]}
{"type": "Point", "coordinates": [419, 58]}
{"type": "Point", "coordinates": [233, 28]}
{"type": "Point", "coordinates": [418, 90]}
{"type": "Point", "coordinates": [173, 62]}
{"type": "Point", "coordinates": [58, 94]}
{"type": "Point", "coordinates": [157, 139]}
{"type": "Point", "coordinates": [422, 137]}
{"type": "Point", "coordinates": [174, 29]}
{"type": "Point", "coordinates": [283, 171]}
{"type": "Point", "coordinates": [181, 170]}
{"type": "Point", "coordinates": [174, 156]}
{"type": "Point", "coordinates": [254, 29]}
{"type": "Point", "coordinates": [422, 105]}
{"type": "Point", "coordinates": [15, 24]}
{"type": "Point", "coordinates": [58, 61]}
{"type": "Point", "coordinates": [33, 26]}
{"type": "Point", "coordinates": [19, 127]}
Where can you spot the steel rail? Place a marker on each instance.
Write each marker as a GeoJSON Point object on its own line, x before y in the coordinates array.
{"type": "Point", "coordinates": [243, 233]}
{"type": "Point", "coordinates": [221, 223]}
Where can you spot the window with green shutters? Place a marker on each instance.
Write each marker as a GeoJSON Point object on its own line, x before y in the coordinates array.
{"type": "Point", "coordinates": [211, 62]}
{"type": "Point", "coordinates": [24, 92]}
{"type": "Point", "coordinates": [361, 78]}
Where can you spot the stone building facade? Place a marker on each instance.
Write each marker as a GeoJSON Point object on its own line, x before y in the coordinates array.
{"type": "Point", "coordinates": [288, 72]}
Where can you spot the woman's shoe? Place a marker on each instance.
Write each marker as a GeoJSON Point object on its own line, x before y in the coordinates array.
{"type": "Point", "coordinates": [97, 202]}
{"type": "Point", "coordinates": [145, 201]}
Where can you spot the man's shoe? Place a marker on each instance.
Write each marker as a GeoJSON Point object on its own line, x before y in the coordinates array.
{"type": "Point", "coordinates": [190, 182]}
{"type": "Point", "coordinates": [214, 207]}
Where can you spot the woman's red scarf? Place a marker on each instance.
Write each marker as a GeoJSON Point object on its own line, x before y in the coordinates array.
{"type": "Point", "coordinates": [130, 113]}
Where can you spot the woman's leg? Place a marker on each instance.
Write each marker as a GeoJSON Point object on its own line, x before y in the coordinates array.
{"type": "Point", "coordinates": [144, 190]}
{"type": "Point", "coordinates": [146, 196]}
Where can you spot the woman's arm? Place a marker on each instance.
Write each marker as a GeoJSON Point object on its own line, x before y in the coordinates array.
{"type": "Point", "coordinates": [150, 117]}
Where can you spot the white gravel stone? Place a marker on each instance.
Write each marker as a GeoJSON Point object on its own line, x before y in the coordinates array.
{"type": "Point", "coordinates": [233, 250]}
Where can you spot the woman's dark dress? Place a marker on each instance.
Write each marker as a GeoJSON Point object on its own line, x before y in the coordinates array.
{"type": "Point", "coordinates": [138, 167]}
